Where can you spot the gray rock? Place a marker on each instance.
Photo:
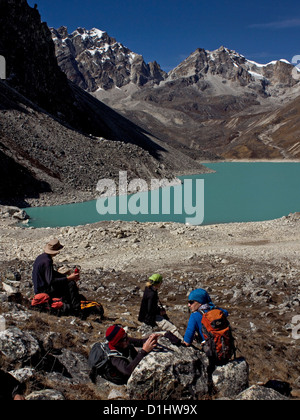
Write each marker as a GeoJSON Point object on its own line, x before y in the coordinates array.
{"type": "Point", "coordinates": [45, 394]}
{"type": "Point", "coordinates": [21, 215]}
{"type": "Point", "coordinates": [257, 392]}
{"type": "Point", "coordinates": [23, 374]}
{"type": "Point", "coordinates": [17, 345]}
{"type": "Point", "coordinates": [170, 373]}
{"type": "Point", "coordinates": [231, 379]}
{"type": "Point", "coordinates": [10, 287]}
{"type": "Point", "coordinates": [76, 364]}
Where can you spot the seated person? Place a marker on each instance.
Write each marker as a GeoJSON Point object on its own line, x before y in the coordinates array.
{"type": "Point", "coordinates": [46, 280]}
{"type": "Point", "coordinates": [151, 312]}
{"type": "Point", "coordinates": [122, 357]}
{"type": "Point", "coordinates": [199, 302]}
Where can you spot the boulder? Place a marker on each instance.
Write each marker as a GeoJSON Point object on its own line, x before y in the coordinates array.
{"type": "Point", "coordinates": [15, 212]}
{"type": "Point", "coordinates": [257, 392]}
{"type": "Point", "coordinates": [23, 374]}
{"type": "Point", "coordinates": [18, 346]}
{"type": "Point", "coordinates": [45, 394]}
{"type": "Point", "coordinates": [21, 215]}
{"type": "Point", "coordinates": [231, 379]}
{"type": "Point", "coordinates": [170, 372]}
{"type": "Point", "coordinates": [11, 286]}
{"type": "Point", "coordinates": [76, 365]}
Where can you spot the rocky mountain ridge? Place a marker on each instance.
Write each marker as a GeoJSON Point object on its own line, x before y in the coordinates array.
{"type": "Point", "coordinates": [93, 60]}
{"type": "Point", "coordinates": [265, 79]}
{"type": "Point", "coordinates": [210, 103]}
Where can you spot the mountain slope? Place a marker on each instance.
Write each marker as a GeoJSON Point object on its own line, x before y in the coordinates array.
{"type": "Point", "coordinates": [54, 136]}
{"type": "Point", "coordinates": [32, 70]}
{"type": "Point", "coordinates": [209, 100]}
{"type": "Point", "coordinates": [274, 134]}
{"type": "Point", "coordinates": [205, 107]}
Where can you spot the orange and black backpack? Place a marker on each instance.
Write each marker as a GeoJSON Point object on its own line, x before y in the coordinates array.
{"type": "Point", "coordinates": [219, 342]}
{"type": "Point", "coordinates": [89, 307]}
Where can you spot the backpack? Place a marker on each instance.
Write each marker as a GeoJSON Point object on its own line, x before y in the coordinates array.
{"type": "Point", "coordinates": [43, 303]}
{"type": "Point", "coordinates": [89, 307]}
{"type": "Point", "coordinates": [219, 342]}
{"type": "Point", "coordinates": [99, 362]}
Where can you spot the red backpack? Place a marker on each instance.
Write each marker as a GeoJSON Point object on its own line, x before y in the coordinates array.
{"type": "Point", "coordinates": [219, 342]}
{"type": "Point", "coordinates": [43, 303]}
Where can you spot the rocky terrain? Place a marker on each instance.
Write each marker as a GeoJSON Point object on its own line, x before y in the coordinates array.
{"type": "Point", "coordinates": [45, 161]}
{"type": "Point", "coordinates": [251, 269]}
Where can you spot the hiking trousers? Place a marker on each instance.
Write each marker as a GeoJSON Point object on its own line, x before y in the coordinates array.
{"type": "Point", "coordinates": [162, 324]}
{"type": "Point", "coordinates": [68, 291]}
{"type": "Point", "coordinates": [166, 325]}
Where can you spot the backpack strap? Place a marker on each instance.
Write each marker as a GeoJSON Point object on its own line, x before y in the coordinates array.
{"type": "Point", "coordinates": [206, 307]}
{"type": "Point", "coordinates": [112, 353]}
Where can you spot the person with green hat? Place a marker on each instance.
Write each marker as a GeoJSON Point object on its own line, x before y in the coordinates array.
{"type": "Point", "coordinates": [152, 314]}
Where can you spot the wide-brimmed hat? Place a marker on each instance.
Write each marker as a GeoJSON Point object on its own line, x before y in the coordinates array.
{"type": "Point", "coordinates": [53, 247]}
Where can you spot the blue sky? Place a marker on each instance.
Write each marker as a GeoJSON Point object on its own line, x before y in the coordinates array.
{"type": "Point", "coordinates": [168, 31]}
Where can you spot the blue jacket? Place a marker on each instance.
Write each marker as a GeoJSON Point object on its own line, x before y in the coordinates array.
{"type": "Point", "coordinates": [195, 325]}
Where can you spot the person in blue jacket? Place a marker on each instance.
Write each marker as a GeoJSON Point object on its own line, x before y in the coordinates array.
{"type": "Point", "coordinates": [199, 301]}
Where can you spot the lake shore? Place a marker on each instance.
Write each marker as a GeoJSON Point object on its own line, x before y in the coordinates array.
{"type": "Point", "coordinates": [79, 196]}
{"type": "Point", "coordinates": [253, 161]}
{"type": "Point", "coordinates": [229, 192]}
{"type": "Point", "coordinates": [252, 269]}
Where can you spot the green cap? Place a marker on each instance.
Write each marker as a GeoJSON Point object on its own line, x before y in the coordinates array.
{"type": "Point", "coordinates": [156, 279]}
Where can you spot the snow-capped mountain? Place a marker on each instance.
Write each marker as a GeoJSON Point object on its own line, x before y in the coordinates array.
{"type": "Point", "coordinates": [228, 65]}
{"type": "Point", "coordinates": [92, 59]}
{"type": "Point", "coordinates": [213, 102]}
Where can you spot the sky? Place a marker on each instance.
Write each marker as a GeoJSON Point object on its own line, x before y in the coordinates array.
{"type": "Point", "coordinates": [168, 31]}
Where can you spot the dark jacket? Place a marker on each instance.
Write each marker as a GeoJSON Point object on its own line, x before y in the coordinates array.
{"type": "Point", "coordinates": [120, 368]}
{"type": "Point", "coordinates": [9, 386]}
{"type": "Point", "coordinates": [44, 277]}
{"type": "Point", "coordinates": [149, 307]}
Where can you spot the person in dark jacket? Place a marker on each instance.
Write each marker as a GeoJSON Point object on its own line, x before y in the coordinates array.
{"type": "Point", "coordinates": [151, 311]}
{"type": "Point", "coordinates": [10, 388]}
{"type": "Point", "coordinates": [46, 280]}
{"type": "Point", "coordinates": [127, 357]}
{"type": "Point", "coordinates": [150, 308]}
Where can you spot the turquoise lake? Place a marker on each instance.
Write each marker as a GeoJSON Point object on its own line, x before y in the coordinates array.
{"type": "Point", "coordinates": [236, 192]}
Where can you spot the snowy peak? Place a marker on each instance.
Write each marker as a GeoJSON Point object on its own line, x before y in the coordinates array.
{"type": "Point", "coordinates": [231, 66]}
{"type": "Point", "coordinates": [92, 59]}
{"type": "Point", "coordinates": [93, 40]}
